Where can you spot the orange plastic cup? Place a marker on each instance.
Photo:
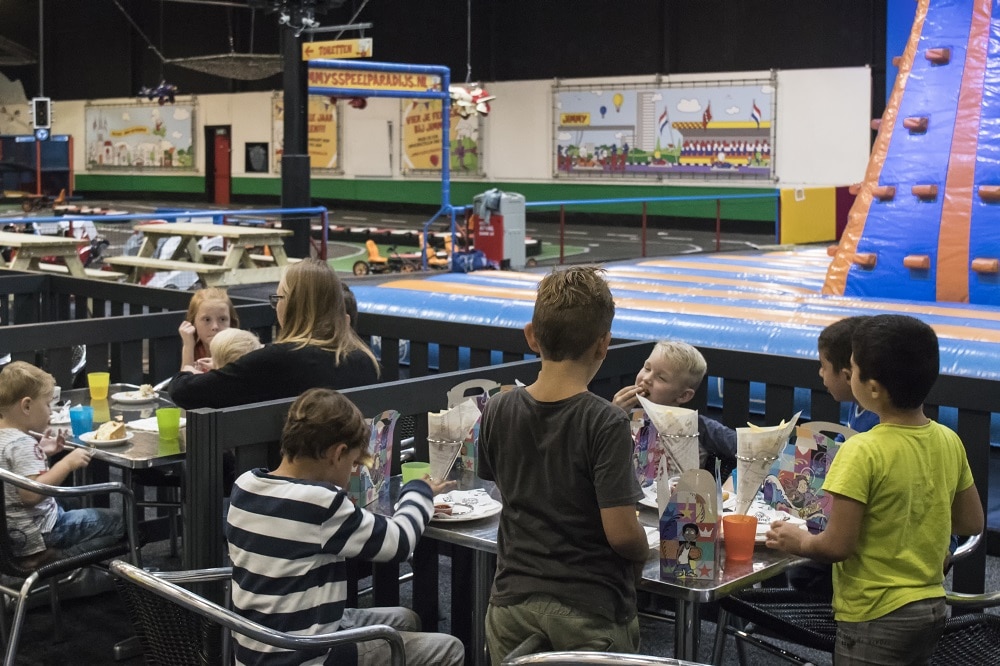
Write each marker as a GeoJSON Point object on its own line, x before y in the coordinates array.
{"type": "Point", "coordinates": [739, 533]}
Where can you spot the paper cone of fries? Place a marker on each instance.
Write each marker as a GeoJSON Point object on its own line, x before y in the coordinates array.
{"type": "Point", "coordinates": [677, 437]}
{"type": "Point", "coordinates": [446, 431]}
{"type": "Point", "coordinates": [756, 450]}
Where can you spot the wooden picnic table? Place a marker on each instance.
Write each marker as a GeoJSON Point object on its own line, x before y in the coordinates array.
{"type": "Point", "coordinates": [32, 248]}
{"type": "Point", "coordinates": [236, 265]}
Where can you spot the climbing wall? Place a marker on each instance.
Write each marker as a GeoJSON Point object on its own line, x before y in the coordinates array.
{"type": "Point", "coordinates": [926, 221]}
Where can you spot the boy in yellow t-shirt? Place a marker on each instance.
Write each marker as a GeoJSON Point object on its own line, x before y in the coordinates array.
{"type": "Point", "coordinates": [899, 491]}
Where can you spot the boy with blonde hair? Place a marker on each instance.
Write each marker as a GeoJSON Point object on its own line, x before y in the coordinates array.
{"type": "Point", "coordinates": [569, 541]}
{"type": "Point", "coordinates": [40, 529]}
{"type": "Point", "coordinates": [670, 376]}
{"type": "Point", "coordinates": [231, 344]}
{"type": "Point", "coordinates": [899, 491]}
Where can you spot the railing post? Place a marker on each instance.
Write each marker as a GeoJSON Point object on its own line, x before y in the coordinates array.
{"type": "Point", "coordinates": [643, 252]}
{"type": "Point", "coordinates": [562, 235]}
{"type": "Point", "coordinates": [718, 224]}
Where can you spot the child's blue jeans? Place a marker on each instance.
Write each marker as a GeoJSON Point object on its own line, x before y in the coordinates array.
{"type": "Point", "coordinates": [81, 530]}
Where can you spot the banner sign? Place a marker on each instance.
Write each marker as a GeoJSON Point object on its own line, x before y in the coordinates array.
{"type": "Point", "coordinates": [321, 123]}
{"type": "Point", "coordinates": [709, 129]}
{"type": "Point", "coordinates": [343, 78]}
{"type": "Point", "coordinates": [146, 136]}
{"type": "Point", "coordinates": [338, 49]}
{"type": "Point", "coordinates": [421, 139]}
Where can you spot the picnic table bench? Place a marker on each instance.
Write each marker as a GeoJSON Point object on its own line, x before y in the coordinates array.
{"type": "Point", "coordinates": [237, 266]}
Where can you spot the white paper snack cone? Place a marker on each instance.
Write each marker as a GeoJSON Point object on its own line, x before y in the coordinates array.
{"type": "Point", "coordinates": [445, 433]}
{"type": "Point", "coordinates": [677, 430]}
{"type": "Point", "coordinates": [756, 450]}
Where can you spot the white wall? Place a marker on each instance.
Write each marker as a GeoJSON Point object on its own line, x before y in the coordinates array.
{"type": "Point", "coordinates": [822, 127]}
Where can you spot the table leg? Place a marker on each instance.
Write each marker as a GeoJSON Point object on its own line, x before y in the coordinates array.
{"type": "Point", "coordinates": [425, 584]}
{"type": "Point", "coordinates": [484, 566]}
{"type": "Point", "coordinates": [687, 627]}
{"type": "Point", "coordinates": [74, 265]}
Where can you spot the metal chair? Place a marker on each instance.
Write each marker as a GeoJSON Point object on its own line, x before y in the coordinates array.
{"type": "Point", "coordinates": [50, 570]}
{"type": "Point", "coordinates": [807, 619]}
{"type": "Point", "coordinates": [177, 626]}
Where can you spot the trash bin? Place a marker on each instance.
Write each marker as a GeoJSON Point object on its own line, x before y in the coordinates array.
{"type": "Point", "coordinates": [499, 221]}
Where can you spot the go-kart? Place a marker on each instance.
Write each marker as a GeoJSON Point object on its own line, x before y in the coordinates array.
{"type": "Point", "coordinates": [377, 264]}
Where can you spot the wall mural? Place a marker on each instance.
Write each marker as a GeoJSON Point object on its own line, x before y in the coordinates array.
{"type": "Point", "coordinates": [421, 140]}
{"type": "Point", "coordinates": [322, 132]}
{"type": "Point", "coordinates": [712, 129]}
{"type": "Point", "coordinates": [140, 136]}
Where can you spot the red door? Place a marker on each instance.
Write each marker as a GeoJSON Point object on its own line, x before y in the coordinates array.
{"type": "Point", "coordinates": [223, 168]}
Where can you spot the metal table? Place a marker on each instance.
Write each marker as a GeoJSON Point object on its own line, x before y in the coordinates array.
{"type": "Point", "coordinates": [474, 548]}
{"type": "Point", "coordinates": [145, 449]}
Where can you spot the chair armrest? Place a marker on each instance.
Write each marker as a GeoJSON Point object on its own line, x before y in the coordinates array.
{"type": "Point", "coordinates": [195, 575]}
{"type": "Point", "coordinates": [973, 601]}
{"type": "Point", "coordinates": [64, 491]}
{"type": "Point", "coordinates": [966, 547]}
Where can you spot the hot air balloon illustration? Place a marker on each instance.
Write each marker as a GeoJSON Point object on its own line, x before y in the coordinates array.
{"type": "Point", "coordinates": [604, 110]}
{"type": "Point", "coordinates": [618, 99]}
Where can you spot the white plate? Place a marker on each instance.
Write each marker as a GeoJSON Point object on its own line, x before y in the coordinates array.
{"type": "Point", "coordinates": [467, 505]}
{"type": "Point", "coordinates": [88, 438]}
{"type": "Point", "coordinates": [649, 496]}
{"type": "Point", "coordinates": [133, 397]}
{"type": "Point", "coordinates": [766, 515]}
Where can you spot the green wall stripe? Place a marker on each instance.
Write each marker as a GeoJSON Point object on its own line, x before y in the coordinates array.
{"type": "Point", "coordinates": [428, 192]}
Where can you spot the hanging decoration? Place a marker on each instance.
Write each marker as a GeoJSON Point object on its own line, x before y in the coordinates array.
{"type": "Point", "coordinates": [470, 99]}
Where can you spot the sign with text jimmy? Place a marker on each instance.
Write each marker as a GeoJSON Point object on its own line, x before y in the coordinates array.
{"type": "Point", "coordinates": [717, 130]}
{"type": "Point", "coordinates": [146, 136]}
{"type": "Point", "coordinates": [421, 137]}
{"type": "Point", "coordinates": [321, 122]}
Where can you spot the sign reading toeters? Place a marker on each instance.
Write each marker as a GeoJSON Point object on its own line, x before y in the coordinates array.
{"type": "Point", "coordinates": [338, 49]}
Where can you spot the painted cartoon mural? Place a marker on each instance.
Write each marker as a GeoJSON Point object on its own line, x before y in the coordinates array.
{"type": "Point", "coordinates": [146, 136]}
{"type": "Point", "coordinates": [720, 130]}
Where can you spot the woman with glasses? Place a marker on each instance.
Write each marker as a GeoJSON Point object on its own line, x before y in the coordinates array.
{"type": "Point", "coordinates": [315, 348]}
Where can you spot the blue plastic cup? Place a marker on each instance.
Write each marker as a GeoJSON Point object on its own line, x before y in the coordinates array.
{"type": "Point", "coordinates": [81, 418]}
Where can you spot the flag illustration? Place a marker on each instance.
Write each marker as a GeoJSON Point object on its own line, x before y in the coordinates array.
{"type": "Point", "coordinates": [664, 120]}
{"type": "Point", "coordinates": [707, 116]}
{"type": "Point", "coordinates": [755, 114]}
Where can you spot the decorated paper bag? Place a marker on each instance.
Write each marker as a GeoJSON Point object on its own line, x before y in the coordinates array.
{"type": "Point", "coordinates": [757, 449]}
{"type": "Point", "coordinates": [467, 455]}
{"type": "Point", "coordinates": [676, 438]}
{"type": "Point", "coordinates": [447, 432]}
{"type": "Point", "coordinates": [689, 527]}
{"type": "Point", "coordinates": [795, 481]}
{"type": "Point", "coordinates": [368, 483]}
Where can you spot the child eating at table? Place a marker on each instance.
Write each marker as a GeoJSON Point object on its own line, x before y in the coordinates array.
{"type": "Point", "coordinates": [291, 530]}
{"type": "Point", "coordinates": [670, 376]}
{"type": "Point", "coordinates": [40, 529]}
{"type": "Point", "coordinates": [569, 541]}
{"type": "Point", "coordinates": [209, 312]}
{"type": "Point", "coordinates": [232, 343]}
{"type": "Point", "coordinates": [899, 491]}
{"type": "Point", "coordinates": [834, 345]}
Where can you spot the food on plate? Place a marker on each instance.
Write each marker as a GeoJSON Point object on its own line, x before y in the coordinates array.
{"type": "Point", "coordinates": [110, 430]}
{"type": "Point", "coordinates": [442, 509]}
{"type": "Point", "coordinates": [146, 391]}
